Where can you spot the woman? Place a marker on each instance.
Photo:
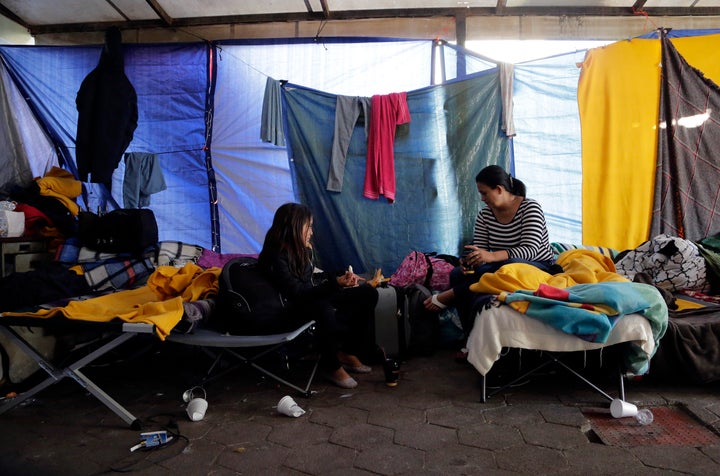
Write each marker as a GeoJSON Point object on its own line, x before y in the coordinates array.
{"type": "Point", "coordinates": [342, 308]}
{"type": "Point", "coordinates": [510, 229]}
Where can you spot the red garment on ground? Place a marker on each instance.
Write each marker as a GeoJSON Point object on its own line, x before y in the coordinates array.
{"type": "Point", "coordinates": [386, 113]}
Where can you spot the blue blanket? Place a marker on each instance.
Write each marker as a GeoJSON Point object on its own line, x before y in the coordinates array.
{"type": "Point", "coordinates": [589, 311]}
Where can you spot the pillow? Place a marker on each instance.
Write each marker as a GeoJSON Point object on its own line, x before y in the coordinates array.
{"type": "Point", "coordinates": [560, 247]}
{"type": "Point", "coordinates": [671, 263]}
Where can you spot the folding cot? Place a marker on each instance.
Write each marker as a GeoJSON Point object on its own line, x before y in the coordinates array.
{"type": "Point", "coordinates": [588, 306]}
{"type": "Point", "coordinates": [499, 327]}
{"type": "Point", "coordinates": [121, 332]}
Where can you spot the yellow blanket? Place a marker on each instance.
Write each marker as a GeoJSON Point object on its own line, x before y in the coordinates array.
{"type": "Point", "coordinates": [61, 184]}
{"type": "Point", "coordinates": [579, 266]}
{"type": "Point", "coordinates": [159, 302]}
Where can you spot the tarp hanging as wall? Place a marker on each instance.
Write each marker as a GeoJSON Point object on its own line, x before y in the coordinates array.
{"type": "Point", "coordinates": [455, 130]}
{"type": "Point", "coordinates": [618, 96]}
{"type": "Point", "coordinates": [171, 82]}
{"type": "Point", "coordinates": [547, 148]}
{"type": "Point", "coordinates": [687, 195]}
{"type": "Point", "coordinates": [253, 177]}
{"type": "Point", "coordinates": [22, 138]}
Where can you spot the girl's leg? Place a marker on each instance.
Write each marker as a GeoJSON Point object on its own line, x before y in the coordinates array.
{"type": "Point", "coordinates": [356, 311]}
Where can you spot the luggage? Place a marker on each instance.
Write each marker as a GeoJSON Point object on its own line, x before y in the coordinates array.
{"type": "Point", "coordinates": [403, 327]}
{"type": "Point", "coordinates": [424, 325]}
{"type": "Point", "coordinates": [391, 327]}
{"type": "Point", "coordinates": [125, 230]}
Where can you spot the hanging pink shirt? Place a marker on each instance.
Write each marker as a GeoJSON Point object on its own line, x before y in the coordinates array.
{"type": "Point", "coordinates": [386, 113]}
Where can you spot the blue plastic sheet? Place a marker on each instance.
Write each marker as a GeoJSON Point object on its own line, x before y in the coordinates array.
{"type": "Point", "coordinates": [171, 82]}
{"type": "Point", "coordinates": [454, 132]}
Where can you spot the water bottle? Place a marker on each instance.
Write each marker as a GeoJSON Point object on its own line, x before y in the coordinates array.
{"type": "Point", "coordinates": [644, 416]}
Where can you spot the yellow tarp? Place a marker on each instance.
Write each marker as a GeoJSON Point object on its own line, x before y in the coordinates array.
{"type": "Point", "coordinates": [618, 98]}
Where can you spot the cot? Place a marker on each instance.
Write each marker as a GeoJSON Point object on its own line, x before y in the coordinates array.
{"type": "Point", "coordinates": [120, 332]}
{"type": "Point", "coordinates": [498, 327]}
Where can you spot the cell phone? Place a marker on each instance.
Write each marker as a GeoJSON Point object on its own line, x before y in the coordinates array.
{"type": "Point", "coordinates": [466, 268]}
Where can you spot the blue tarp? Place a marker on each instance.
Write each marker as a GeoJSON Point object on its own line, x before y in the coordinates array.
{"type": "Point", "coordinates": [253, 178]}
{"type": "Point", "coordinates": [453, 133]}
{"type": "Point", "coordinates": [171, 82]}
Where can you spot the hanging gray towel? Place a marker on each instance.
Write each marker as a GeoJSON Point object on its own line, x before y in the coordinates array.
{"type": "Point", "coordinates": [143, 177]}
{"type": "Point", "coordinates": [348, 109]}
{"type": "Point", "coordinates": [271, 129]}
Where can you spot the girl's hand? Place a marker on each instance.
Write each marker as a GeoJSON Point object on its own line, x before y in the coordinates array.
{"type": "Point", "coordinates": [348, 280]}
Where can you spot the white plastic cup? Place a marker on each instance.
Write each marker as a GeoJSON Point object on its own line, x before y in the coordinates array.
{"type": "Point", "coordinates": [196, 408]}
{"type": "Point", "coordinates": [191, 393]}
{"type": "Point", "coordinates": [621, 409]}
{"type": "Point", "coordinates": [288, 406]}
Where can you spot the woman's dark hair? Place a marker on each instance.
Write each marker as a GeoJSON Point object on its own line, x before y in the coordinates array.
{"type": "Point", "coordinates": [494, 175]}
{"type": "Point", "coordinates": [286, 234]}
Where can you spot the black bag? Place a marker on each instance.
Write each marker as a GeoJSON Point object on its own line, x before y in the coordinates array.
{"type": "Point", "coordinates": [424, 324]}
{"type": "Point", "coordinates": [125, 230]}
{"type": "Point", "coordinates": [248, 304]}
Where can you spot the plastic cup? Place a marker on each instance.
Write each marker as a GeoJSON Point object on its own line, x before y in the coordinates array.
{"type": "Point", "coordinates": [196, 408]}
{"type": "Point", "coordinates": [621, 409]}
{"type": "Point", "coordinates": [288, 406]}
{"type": "Point", "coordinates": [189, 394]}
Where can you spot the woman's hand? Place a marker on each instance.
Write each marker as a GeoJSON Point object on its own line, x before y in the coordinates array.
{"type": "Point", "coordinates": [473, 257]}
{"type": "Point", "coordinates": [478, 256]}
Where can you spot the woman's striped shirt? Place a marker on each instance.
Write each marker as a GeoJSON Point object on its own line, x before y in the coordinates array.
{"type": "Point", "coordinates": [525, 237]}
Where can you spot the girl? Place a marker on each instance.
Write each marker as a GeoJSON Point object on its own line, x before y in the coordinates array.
{"type": "Point", "coordinates": [342, 307]}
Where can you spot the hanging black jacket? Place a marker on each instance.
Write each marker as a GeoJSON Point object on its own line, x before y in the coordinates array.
{"type": "Point", "coordinates": [107, 114]}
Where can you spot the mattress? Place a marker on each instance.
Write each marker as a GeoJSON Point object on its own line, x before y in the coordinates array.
{"type": "Point", "coordinates": [498, 325]}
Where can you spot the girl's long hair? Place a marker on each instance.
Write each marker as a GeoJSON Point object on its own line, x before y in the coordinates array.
{"type": "Point", "coordinates": [286, 234]}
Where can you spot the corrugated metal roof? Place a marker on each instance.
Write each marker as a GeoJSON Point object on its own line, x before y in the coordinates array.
{"type": "Point", "coordinates": [67, 16]}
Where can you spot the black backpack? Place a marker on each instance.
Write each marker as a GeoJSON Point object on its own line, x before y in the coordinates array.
{"type": "Point", "coordinates": [248, 304]}
{"type": "Point", "coordinates": [424, 324]}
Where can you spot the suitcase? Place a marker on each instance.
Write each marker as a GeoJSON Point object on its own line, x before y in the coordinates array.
{"type": "Point", "coordinates": [392, 329]}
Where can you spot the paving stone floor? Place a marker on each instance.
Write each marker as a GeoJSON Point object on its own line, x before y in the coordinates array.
{"type": "Point", "coordinates": [433, 422]}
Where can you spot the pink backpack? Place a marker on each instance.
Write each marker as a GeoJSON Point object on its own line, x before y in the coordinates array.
{"type": "Point", "coordinates": [428, 269]}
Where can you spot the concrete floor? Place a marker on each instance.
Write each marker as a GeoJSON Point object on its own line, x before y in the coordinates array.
{"type": "Point", "coordinates": [432, 423]}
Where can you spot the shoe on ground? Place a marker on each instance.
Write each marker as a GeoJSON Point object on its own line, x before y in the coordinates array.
{"type": "Point", "coordinates": [358, 369]}
{"type": "Point", "coordinates": [348, 383]}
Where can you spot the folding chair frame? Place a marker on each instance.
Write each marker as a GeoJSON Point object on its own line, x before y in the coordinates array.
{"type": "Point", "coordinates": [126, 331]}
{"type": "Point", "coordinates": [227, 345]}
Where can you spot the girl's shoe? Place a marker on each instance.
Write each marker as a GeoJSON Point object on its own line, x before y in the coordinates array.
{"type": "Point", "coordinates": [358, 369]}
{"type": "Point", "coordinates": [348, 383]}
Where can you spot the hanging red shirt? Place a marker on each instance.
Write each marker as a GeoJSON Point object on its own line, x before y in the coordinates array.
{"type": "Point", "coordinates": [386, 113]}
